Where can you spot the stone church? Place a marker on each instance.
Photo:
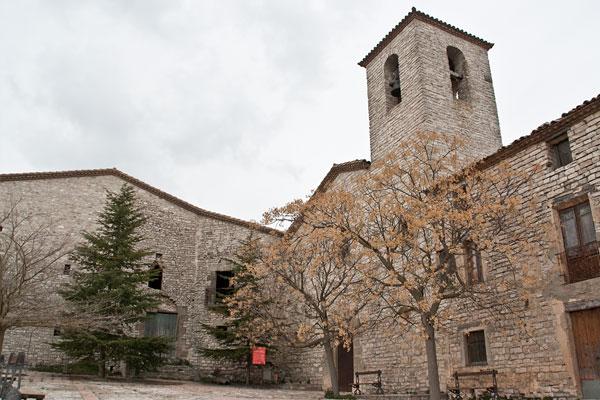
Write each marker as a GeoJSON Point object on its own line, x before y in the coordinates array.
{"type": "Point", "coordinates": [424, 75]}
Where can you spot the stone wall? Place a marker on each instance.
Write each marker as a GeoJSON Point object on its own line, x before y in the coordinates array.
{"type": "Point", "coordinates": [532, 346]}
{"type": "Point", "coordinates": [191, 245]}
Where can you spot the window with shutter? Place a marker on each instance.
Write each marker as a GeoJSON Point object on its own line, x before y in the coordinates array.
{"type": "Point", "coordinates": [161, 324]}
{"type": "Point", "coordinates": [579, 237]}
{"type": "Point", "coordinates": [561, 151]}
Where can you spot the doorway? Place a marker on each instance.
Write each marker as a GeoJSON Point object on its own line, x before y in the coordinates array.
{"type": "Point", "coordinates": [586, 334]}
{"type": "Point", "coordinates": [345, 364]}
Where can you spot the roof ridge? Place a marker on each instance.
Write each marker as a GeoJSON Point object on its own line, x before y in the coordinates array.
{"type": "Point", "coordinates": [140, 184]}
{"type": "Point", "coordinates": [416, 14]}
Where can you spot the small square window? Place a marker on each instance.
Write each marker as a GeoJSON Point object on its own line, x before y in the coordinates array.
{"type": "Point", "coordinates": [67, 269]}
{"type": "Point", "coordinates": [561, 151]}
{"type": "Point", "coordinates": [56, 332]}
{"type": "Point", "coordinates": [475, 348]}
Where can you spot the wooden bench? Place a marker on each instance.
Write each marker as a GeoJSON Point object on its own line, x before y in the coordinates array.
{"type": "Point", "coordinates": [492, 390]}
{"type": "Point", "coordinates": [377, 383]}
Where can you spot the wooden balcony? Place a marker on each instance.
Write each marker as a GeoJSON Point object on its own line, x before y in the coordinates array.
{"type": "Point", "coordinates": [582, 262]}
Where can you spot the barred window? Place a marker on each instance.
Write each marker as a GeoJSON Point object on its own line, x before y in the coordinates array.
{"type": "Point", "coordinates": [475, 346]}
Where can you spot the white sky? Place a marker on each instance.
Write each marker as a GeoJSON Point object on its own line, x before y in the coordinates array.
{"type": "Point", "coordinates": [238, 106]}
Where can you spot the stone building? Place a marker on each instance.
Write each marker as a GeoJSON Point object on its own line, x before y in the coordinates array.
{"type": "Point", "coordinates": [425, 75]}
{"type": "Point", "coordinates": [190, 245]}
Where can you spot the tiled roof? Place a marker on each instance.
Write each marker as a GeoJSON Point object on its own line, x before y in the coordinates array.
{"type": "Point", "coordinates": [544, 131]}
{"type": "Point", "coordinates": [142, 185]}
{"type": "Point", "coordinates": [336, 169]}
{"type": "Point", "coordinates": [421, 16]}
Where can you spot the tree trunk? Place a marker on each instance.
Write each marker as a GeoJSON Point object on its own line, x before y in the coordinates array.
{"type": "Point", "coordinates": [248, 365]}
{"type": "Point", "coordinates": [2, 332]}
{"type": "Point", "coordinates": [432, 362]}
{"type": "Point", "coordinates": [333, 376]}
{"type": "Point", "coordinates": [102, 365]}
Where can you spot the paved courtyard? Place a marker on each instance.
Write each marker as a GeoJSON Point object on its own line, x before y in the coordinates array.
{"type": "Point", "coordinates": [63, 388]}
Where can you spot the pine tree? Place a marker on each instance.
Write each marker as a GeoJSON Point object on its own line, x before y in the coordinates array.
{"type": "Point", "coordinates": [234, 343]}
{"type": "Point", "coordinates": [109, 287]}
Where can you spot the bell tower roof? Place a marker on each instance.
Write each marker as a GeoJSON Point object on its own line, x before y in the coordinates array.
{"type": "Point", "coordinates": [416, 14]}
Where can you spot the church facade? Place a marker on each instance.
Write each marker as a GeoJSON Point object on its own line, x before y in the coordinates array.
{"type": "Point", "coordinates": [425, 75]}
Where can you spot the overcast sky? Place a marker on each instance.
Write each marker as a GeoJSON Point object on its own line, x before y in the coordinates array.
{"type": "Point", "coordinates": [237, 106]}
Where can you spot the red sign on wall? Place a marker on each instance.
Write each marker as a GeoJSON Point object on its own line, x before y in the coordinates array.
{"type": "Point", "coordinates": [259, 355]}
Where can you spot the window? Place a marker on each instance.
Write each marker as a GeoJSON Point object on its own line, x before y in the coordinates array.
{"type": "Point", "coordinates": [581, 247]}
{"type": "Point", "coordinates": [473, 264]}
{"type": "Point", "coordinates": [475, 348]}
{"type": "Point", "coordinates": [67, 269]}
{"type": "Point", "coordinates": [393, 92]}
{"type": "Point", "coordinates": [219, 287]}
{"type": "Point", "coordinates": [56, 332]}
{"type": "Point", "coordinates": [155, 281]}
{"type": "Point", "coordinates": [561, 151]}
{"type": "Point", "coordinates": [577, 227]}
{"type": "Point", "coordinates": [161, 324]}
{"type": "Point", "coordinates": [223, 286]}
{"type": "Point", "coordinates": [458, 73]}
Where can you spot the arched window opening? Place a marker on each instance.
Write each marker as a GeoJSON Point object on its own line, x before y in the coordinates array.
{"type": "Point", "coordinates": [393, 92]}
{"type": "Point", "coordinates": [156, 277]}
{"type": "Point", "coordinates": [458, 73]}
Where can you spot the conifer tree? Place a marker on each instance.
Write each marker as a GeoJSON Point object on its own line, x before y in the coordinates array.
{"type": "Point", "coordinates": [234, 339]}
{"type": "Point", "coordinates": [110, 287]}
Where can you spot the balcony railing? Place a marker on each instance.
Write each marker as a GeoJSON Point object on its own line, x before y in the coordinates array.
{"type": "Point", "coordinates": [582, 262]}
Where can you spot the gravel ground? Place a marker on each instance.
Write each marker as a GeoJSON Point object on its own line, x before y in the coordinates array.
{"type": "Point", "coordinates": [66, 388]}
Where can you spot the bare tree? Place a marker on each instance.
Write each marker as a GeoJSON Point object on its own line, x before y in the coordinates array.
{"type": "Point", "coordinates": [29, 252]}
{"type": "Point", "coordinates": [425, 220]}
{"type": "Point", "coordinates": [305, 293]}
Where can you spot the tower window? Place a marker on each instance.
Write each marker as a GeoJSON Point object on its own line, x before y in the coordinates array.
{"type": "Point", "coordinates": [393, 92]}
{"type": "Point", "coordinates": [458, 73]}
{"type": "Point", "coordinates": [67, 269]}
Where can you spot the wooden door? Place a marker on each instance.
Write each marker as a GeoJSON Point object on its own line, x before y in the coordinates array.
{"type": "Point", "coordinates": [345, 363]}
{"type": "Point", "coordinates": [586, 333]}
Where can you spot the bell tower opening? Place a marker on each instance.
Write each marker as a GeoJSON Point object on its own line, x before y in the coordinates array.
{"type": "Point", "coordinates": [393, 92]}
{"type": "Point", "coordinates": [458, 73]}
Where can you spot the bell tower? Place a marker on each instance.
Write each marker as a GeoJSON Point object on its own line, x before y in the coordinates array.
{"type": "Point", "coordinates": [427, 75]}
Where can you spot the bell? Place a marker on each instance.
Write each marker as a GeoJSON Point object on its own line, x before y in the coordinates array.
{"type": "Point", "coordinates": [395, 89]}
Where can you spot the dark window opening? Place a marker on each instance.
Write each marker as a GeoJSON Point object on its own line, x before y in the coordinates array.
{"type": "Point", "coordinates": [393, 91]}
{"type": "Point", "coordinates": [67, 269]}
{"type": "Point", "coordinates": [458, 73]}
{"type": "Point", "coordinates": [161, 324]}
{"type": "Point", "coordinates": [561, 152]}
{"type": "Point", "coordinates": [155, 281]}
{"type": "Point", "coordinates": [581, 247]}
{"type": "Point", "coordinates": [476, 352]}
{"type": "Point", "coordinates": [56, 332]}
{"type": "Point", "coordinates": [474, 266]}
{"type": "Point", "coordinates": [223, 284]}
